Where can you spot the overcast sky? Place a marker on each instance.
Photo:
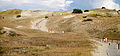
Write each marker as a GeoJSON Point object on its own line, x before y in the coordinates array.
{"type": "Point", "coordinates": [58, 5]}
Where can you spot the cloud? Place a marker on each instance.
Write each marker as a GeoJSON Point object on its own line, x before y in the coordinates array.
{"type": "Point", "coordinates": [57, 5]}
{"type": "Point", "coordinates": [52, 5]}
{"type": "Point", "coordinates": [91, 4]}
{"type": "Point", "coordinates": [110, 4]}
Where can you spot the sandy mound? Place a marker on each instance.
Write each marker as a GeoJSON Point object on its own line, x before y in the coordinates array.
{"type": "Point", "coordinates": [10, 32]}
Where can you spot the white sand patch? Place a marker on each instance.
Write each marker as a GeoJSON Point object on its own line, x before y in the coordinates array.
{"type": "Point", "coordinates": [29, 13]}
{"type": "Point", "coordinates": [69, 16]}
{"type": "Point", "coordinates": [19, 27]}
{"type": "Point", "coordinates": [6, 28]}
{"type": "Point", "coordinates": [33, 24]}
{"type": "Point", "coordinates": [40, 24]}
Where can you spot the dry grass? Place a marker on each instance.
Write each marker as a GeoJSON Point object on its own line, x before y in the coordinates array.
{"type": "Point", "coordinates": [46, 44]}
{"type": "Point", "coordinates": [37, 43]}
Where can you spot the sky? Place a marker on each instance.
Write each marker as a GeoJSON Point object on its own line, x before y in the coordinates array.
{"type": "Point", "coordinates": [58, 5]}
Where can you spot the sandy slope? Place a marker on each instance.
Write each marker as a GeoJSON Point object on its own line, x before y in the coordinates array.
{"type": "Point", "coordinates": [69, 16]}
{"type": "Point", "coordinates": [40, 24]}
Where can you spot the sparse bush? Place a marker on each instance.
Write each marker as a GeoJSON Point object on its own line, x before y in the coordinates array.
{"type": "Point", "coordinates": [46, 16]}
{"type": "Point", "coordinates": [86, 10]}
{"type": "Point", "coordinates": [1, 17]}
{"type": "Point", "coordinates": [84, 16]}
{"type": "Point", "coordinates": [94, 15]}
{"type": "Point", "coordinates": [87, 20]}
{"type": "Point", "coordinates": [114, 9]}
{"type": "Point", "coordinates": [103, 8]}
{"type": "Point", "coordinates": [18, 16]}
{"type": "Point", "coordinates": [77, 11]}
{"type": "Point", "coordinates": [118, 11]}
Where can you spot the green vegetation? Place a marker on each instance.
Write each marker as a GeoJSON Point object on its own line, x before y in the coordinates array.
{"type": "Point", "coordinates": [103, 15]}
{"type": "Point", "coordinates": [77, 11]}
{"type": "Point", "coordinates": [94, 15]}
{"type": "Point", "coordinates": [42, 48]}
{"type": "Point", "coordinates": [86, 10]}
{"type": "Point", "coordinates": [18, 16]}
{"type": "Point", "coordinates": [103, 8]}
{"type": "Point", "coordinates": [46, 16]}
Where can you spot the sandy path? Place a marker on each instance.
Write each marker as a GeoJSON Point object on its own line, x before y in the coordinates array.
{"type": "Point", "coordinates": [112, 50]}
{"type": "Point", "coordinates": [101, 49]}
{"type": "Point", "coordinates": [104, 49]}
{"type": "Point", "coordinates": [42, 25]}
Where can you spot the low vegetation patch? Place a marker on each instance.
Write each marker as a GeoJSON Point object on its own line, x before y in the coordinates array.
{"type": "Point", "coordinates": [87, 20]}
{"type": "Point", "coordinates": [46, 16]}
{"type": "Point", "coordinates": [18, 16]}
{"type": "Point", "coordinates": [86, 10]}
{"type": "Point", "coordinates": [95, 15]}
{"type": "Point", "coordinates": [103, 8]}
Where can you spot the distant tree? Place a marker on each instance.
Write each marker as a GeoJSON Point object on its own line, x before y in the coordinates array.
{"type": "Point", "coordinates": [103, 8]}
{"type": "Point", "coordinates": [77, 11]}
{"type": "Point", "coordinates": [86, 10]}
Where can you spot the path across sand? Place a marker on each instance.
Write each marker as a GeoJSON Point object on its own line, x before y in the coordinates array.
{"type": "Point", "coordinates": [40, 24]}
{"type": "Point", "coordinates": [112, 50]}
{"type": "Point", "coordinates": [104, 49]}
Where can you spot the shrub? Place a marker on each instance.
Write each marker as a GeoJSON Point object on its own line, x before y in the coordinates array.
{"type": "Point", "coordinates": [1, 17]}
{"type": "Point", "coordinates": [118, 11]}
{"type": "Point", "coordinates": [86, 10]}
{"type": "Point", "coordinates": [11, 11]}
{"type": "Point", "coordinates": [77, 11]}
{"type": "Point", "coordinates": [84, 16]}
{"type": "Point", "coordinates": [46, 16]}
{"type": "Point", "coordinates": [103, 8]}
{"type": "Point", "coordinates": [18, 16]}
{"type": "Point", "coordinates": [87, 20]}
{"type": "Point", "coordinates": [114, 9]}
